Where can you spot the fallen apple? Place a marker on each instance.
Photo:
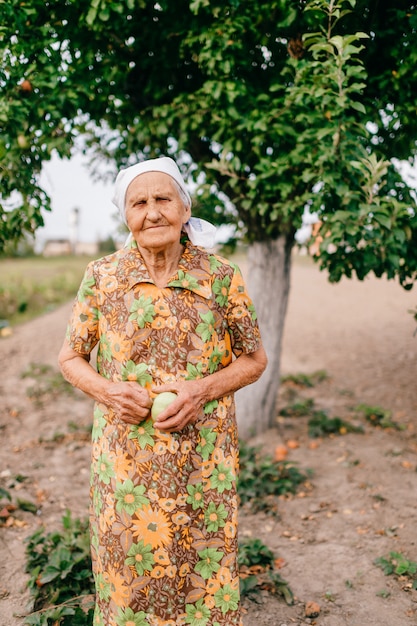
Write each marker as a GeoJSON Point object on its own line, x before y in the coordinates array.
{"type": "Point", "coordinates": [161, 402]}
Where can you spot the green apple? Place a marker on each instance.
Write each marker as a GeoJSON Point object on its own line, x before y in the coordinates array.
{"type": "Point", "coordinates": [161, 402]}
{"type": "Point", "coordinates": [23, 142]}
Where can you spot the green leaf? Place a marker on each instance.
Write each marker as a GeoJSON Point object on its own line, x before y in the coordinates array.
{"type": "Point", "coordinates": [358, 106]}
{"type": "Point", "coordinates": [383, 219]}
{"type": "Point", "coordinates": [25, 505]}
{"type": "Point", "coordinates": [5, 494]}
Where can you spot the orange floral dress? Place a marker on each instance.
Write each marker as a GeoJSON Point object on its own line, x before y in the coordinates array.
{"type": "Point", "coordinates": [164, 506]}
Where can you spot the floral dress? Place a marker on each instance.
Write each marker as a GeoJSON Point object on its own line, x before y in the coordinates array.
{"type": "Point", "coordinates": [164, 506]}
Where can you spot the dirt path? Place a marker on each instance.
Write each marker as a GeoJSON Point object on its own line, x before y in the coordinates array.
{"type": "Point", "coordinates": [361, 501]}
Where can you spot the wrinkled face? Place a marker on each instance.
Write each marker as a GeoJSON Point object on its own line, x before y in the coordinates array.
{"type": "Point", "coordinates": [155, 212]}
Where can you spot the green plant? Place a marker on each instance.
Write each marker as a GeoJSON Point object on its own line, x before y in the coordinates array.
{"type": "Point", "coordinates": [300, 408]}
{"type": "Point", "coordinates": [398, 565]}
{"type": "Point", "coordinates": [5, 494]}
{"type": "Point", "coordinates": [9, 505]}
{"type": "Point", "coordinates": [257, 571]}
{"type": "Point", "coordinates": [254, 552]}
{"type": "Point", "coordinates": [320, 425]}
{"type": "Point", "coordinates": [329, 596]}
{"type": "Point", "coordinates": [305, 380]}
{"type": "Point", "coordinates": [260, 478]}
{"type": "Point", "coordinates": [377, 416]}
{"type": "Point", "coordinates": [48, 382]}
{"type": "Point", "coordinates": [61, 580]}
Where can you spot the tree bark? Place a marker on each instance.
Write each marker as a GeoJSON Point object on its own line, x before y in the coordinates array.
{"type": "Point", "coordinates": [268, 282]}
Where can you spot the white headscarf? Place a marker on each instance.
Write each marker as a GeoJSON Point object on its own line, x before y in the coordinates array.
{"type": "Point", "coordinates": [200, 232]}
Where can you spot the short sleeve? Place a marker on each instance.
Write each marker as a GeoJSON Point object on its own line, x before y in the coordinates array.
{"type": "Point", "coordinates": [82, 330]}
{"type": "Point", "coordinates": [241, 317]}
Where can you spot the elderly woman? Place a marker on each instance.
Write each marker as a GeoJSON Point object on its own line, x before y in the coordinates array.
{"type": "Point", "coordinates": [167, 317]}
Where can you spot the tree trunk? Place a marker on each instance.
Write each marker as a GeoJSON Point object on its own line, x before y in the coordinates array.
{"type": "Point", "coordinates": [269, 269]}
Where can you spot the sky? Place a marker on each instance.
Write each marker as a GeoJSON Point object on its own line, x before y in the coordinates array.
{"type": "Point", "coordinates": [70, 185]}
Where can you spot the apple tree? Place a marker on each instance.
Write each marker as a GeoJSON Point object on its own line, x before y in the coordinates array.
{"type": "Point", "coordinates": [271, 108]}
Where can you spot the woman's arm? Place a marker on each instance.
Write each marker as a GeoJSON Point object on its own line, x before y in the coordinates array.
{"type": "Point", "coordinates": [129, 401]}
{"type": "Point", "coordinates": [194, 394]}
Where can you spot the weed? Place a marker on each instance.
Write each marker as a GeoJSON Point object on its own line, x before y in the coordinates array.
{"type": "Point", "coordinates": [8, 507]}
{"type": "Point", "coordinates": [257, 571]}
{"type": "Point", "coordinates": [320, 425]}
{"type": "Point", "coordinates": [73, 427]}
{"type": "Point", "coordinates": [329, 596]}
{"type": "Point", "coordinates": [260, 476]}
{"type": "Point", "coordinates": [305, 380]}
{"type": "Point", "coordinates": [398, 565]}
{"type": "Point", "coordinates": [377, 416]}
{"type": "Point", "coordinates": [49, 382]}
{"type": "Point", "coordinates": [300, 408]}
{"type": "Point", "coordinates": [379, 498]}
{"type": "Point", "coordinates": [26, 505]}
{"type": "Point", "coordinates": [20, 478]}
{"type": "Point", "coordinates": [5, 494]}
{"type": "Point", "coordinates": [254, 552]}
{"type": "Point", "coordinates": [61, 580]}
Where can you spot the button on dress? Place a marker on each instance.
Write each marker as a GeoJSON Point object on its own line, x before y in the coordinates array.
{"type": "Point", "coordinates": [164, 506]}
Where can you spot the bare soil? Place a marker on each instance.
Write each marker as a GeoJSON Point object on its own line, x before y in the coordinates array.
{"type": "Point", "coordinates": [360, 502]}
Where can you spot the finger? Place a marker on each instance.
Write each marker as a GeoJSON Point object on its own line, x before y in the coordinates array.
{"type": "Point", "coordinates": [166, 424]}
{"type": "Point", "coordinates": [172, 424]}
{"type": "Point", "coordinates": [134, 420]}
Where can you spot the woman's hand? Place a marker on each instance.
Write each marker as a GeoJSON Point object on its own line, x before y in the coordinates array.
{"type": "Point", "coordinates": [129, 401]}
{"type": "Point", "coordinates": [184, 410]}
{"type": "Point", "coordinates": [194, 394]}
{"type": "Point", "coordinates": [132, 403]}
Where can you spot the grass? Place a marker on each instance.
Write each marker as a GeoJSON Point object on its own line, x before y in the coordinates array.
{"type": "Point", "coordinates": [32, 286]}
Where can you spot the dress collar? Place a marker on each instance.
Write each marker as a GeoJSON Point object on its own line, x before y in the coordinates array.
{"type": "Point", "coordinates": [193, 273]}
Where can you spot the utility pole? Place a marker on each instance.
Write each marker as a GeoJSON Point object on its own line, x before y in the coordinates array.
{"type": "Point", "coordinates": [73, 229]}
